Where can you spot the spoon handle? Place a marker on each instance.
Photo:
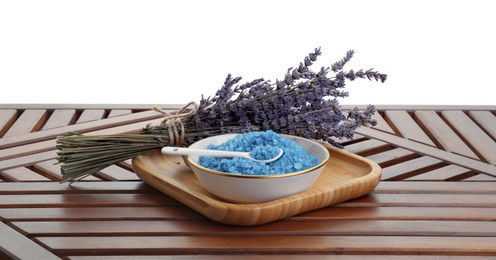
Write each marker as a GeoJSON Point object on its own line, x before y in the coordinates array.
{"type": "Point", "coordinates": [201, 152]}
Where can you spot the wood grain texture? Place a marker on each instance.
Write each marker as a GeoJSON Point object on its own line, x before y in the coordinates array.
{"type": "Point", "coordinates": [119, 112]}
{"type": "Point", "coordinates": [7, 118]}
{"type": "Point", "coordinates": [444, 136]}
{"type": "Point", "coordinates": [346, 176]}
{"type": "Point", "coordinates": [322, 227]}
{"type": "Point", "coordinates": [273, 244]}
{"type": "Point", "coordinates": [430, 151]}
{"type": "Point", "coordinates": [60, 118]}
{"type": "Point", "coordinates": [486, 120]}
{"type": "Point", "coordinates": [481, 143]}
{"type": "Point", "coordinates": [28, 121]}
{"type": "Point", "coordinates": [404, 124]}
{"type": "Point", "coordinates": [89, 115]}
{"type": "Point", "coordinates": [16, 246]}
{"type": "Point", "coordinates": [22, 174]}
{"type": "Point", "coordinates": [410, 168]}
{"type": "Point", "coordinates": [440, 204]}
{"type": "Point", "coordinates": [278, 257]}
{"type": "Point", "coordinates": [80, 128]}
{"type": "Point", "coordinates": [449, 172]}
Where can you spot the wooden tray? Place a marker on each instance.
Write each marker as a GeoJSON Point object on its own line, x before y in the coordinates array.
{"type": "Point", "coordinates": [346, 176]}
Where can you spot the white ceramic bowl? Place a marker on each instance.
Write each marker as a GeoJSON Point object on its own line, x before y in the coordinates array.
{"type": "Point", "coordinates": [240, 188]}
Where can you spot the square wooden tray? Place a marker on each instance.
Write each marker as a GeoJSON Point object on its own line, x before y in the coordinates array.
{"type": "Point", "coordinates": [346, 176]}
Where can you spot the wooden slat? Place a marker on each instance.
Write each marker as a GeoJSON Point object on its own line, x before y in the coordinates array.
{"type": "Point", "coordinates": [481, 177]}
{"type": "Point", "coordinates": [393, 156]}
{"type": "Point", "coordinates": [184, 213]}
{"type": "Point", "coordinates": [127, 106]}
{"type": "Point", "coordinates": [60, 118]}
{"type": "Point", "coordinates": [444, 136]}
{"type": "Point", "coordinates": [410, 168]}
{"type": "Point", "coordinates": [89, 115]}
{"type": "Point", "coordinates": [408, 108]}
{"type": "Point", "coordinates": [404, 124]}
{"type": "Point", "coordinates": [423, 200]}
{"type": "Point", "coordinates": [367, 147]}
{"type": "Point", "coordinates": [51, 168]}
{"type": "Point", "coordinates": [130, 187]}
{"type": "Point", "coordinates": [288, 227]}
{"type": "Point", "coordinates": [434, 187]}
{"type": "Point", "coordinates": [22, 174]}
{"type": "Point", "coordinates": [402, 213]}
{"type": "Point", "coordinates": [119, 112]}
{"type": "Point", "coordinates": [85, 200]}
{"type": "Point", "coordinates": [27, 160]}
{"type": "Point", "coordinates": [481, 143]}
{"type": "Point", "coordinates": [452, 158]}
{"type": "Point", "coordinates": [45, 150]}
{"type": "Point", "coordinates": [107, 213]}
{"type": "Point", "coordinates": [16, 246]}
{"type": "Point", "coordinates": [30, 120]}
{"type": "Point", "coordinates": [486, 120]}
{"type": "Point", "coordinates": [270, 256]}
{"type": "Point", "coordinates": [116, 173]}
{"type": "Point", "coordinates": [7, 118]}
{"type": "Point", "coordinates": [79, 128]}
{"type": "Point", "coordinates": [445, 173]}
{"type": "Point", "coordinates": [134, 187]}
{"type": "Point", "coordinates": [122, 200]}
{"type": "Point", "coordinates": [271, 244]}
{"type": "Point", "coordinates": [382, 124]}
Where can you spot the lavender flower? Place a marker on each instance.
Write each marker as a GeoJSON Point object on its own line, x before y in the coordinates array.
{"type": "Point", "coordinates": [303, 103]}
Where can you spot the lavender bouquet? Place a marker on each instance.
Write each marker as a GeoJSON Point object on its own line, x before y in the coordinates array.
{"type": "Point", "coordinates": [304, 103]}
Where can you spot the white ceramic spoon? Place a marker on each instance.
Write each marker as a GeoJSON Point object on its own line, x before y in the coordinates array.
{"type": "Point", "coordinates": [216, 153]}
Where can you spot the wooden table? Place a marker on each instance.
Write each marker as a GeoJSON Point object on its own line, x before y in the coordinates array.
{"type": "Point", "coordinates": [437, 195]}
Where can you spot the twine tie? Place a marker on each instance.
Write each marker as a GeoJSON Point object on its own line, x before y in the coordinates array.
{"type": "Point", "coordinates": [174, 122]}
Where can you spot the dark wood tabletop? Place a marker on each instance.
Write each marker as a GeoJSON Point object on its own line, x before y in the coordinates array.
{"type": "Point", "coordinates": [436, 197]}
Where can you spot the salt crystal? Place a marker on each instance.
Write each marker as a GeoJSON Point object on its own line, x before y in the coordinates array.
{"type": "Point", "coordinates": [262, 145]}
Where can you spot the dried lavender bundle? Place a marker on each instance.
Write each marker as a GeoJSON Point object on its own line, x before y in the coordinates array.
{"type": "Point", "coordinates": [304, 103]}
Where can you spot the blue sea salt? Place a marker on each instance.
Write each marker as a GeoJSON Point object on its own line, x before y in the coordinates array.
{"type": "Point", "coordinates": [262, 145]}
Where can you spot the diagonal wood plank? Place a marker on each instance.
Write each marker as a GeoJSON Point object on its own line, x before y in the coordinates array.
{"type": "Point", "coordinates": [444, 173]}
{"type": "Point", "coordinates": [423, 149]}
{"type": "Point", "coordinates": [17, 246]}
{"type": "Point", "coordinates": [28, 160]}
{"type": "Point", "coordinates": [481, 177]}
{"type": "Point", "coordinates": [119, 112]}
{"type": "Point", "coordinates": [22, 174]}
{"type": "Point", "coordinates": [404, 124]}
{"type": "Point", "coordinates": [80, 128]}
{"type": "Point", "coordinates": [30, 120]}
{"type": "Point", "coordinates": [393, 156]}
{"type": "Point", "coordinates": [410, 168]}
{"type": "Point", "coordinates": [382, 123]}
{"type": "Point", "coordinates": [486, 120]}
{"type": "Point", "coordinates": [60, 118]}
{"type": "Point", "coordinates": [25, 155]}
{"type": "Point", "coordinates": [116, 173]}
{"type": "Point", "coordinates": [367, 147]}
{"type": "Point", "coordinates": [7, 118]}
{"type": "Point", "coordinates": [51, 169]}
{"type": "Point", "coordinates": [89, 115]}
{"type": "Point", "coordinates": [482, 144]}
{"type": "Point", "coordinates": [434, 125]}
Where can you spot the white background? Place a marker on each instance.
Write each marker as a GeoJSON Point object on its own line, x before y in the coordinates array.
{"type": "Point", "coordinates": [159, 52]}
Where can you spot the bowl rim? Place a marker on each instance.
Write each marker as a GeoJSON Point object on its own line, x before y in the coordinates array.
{"type": "Point", "coordinates": [273, 176]}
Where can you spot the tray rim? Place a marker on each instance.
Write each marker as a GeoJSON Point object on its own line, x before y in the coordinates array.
{"type": "Point", "coordinates": [218, 210]}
